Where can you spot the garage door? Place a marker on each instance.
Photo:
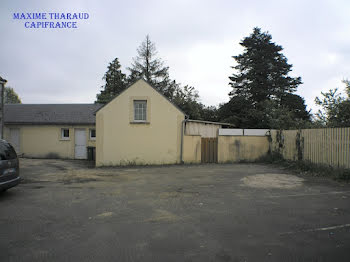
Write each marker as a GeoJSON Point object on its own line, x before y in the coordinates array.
{"type": "Point", "coordinates": [14, 139]}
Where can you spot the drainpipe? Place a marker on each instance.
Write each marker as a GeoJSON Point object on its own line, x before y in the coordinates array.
{"type": "Point", "coordinates": [182, 139]}
{"type": "Point", "coordinates": [2, 85]}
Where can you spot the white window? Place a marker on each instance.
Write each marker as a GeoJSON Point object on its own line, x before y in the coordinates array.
{"type": "Point", "coordinates": [140, 110]}
{"type": "Point", "coordinates": [92, 134]}
{"type": "Point", "coordinates": [65, 133]}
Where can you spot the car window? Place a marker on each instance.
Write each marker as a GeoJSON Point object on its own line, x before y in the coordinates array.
{"type": "Point", "coordinates": [7, 152]}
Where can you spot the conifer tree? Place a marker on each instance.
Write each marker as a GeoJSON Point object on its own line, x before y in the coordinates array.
{"type": "Point", "coordinates": [261, 85]}
{"type": "Point", "coordinates": [262, 70]}
{"type": "Point", "coordinates": [147, 65]}
{"type": "Point", "coordinates": [115, 83]}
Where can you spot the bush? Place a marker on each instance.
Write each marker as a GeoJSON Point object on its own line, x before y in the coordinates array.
{"type": "Point", "coordinates": [307, 167]}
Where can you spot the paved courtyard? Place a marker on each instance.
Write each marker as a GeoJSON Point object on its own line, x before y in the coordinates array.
{"type": "Point", "coordinates": [69, 211]}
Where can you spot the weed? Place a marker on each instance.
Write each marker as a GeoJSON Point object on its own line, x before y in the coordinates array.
{"type": "Point", "coordinates": [306, 167]}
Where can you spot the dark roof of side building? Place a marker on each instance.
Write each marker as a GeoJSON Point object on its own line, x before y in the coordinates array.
{"type": "Point", "coordinates": [50, 114]}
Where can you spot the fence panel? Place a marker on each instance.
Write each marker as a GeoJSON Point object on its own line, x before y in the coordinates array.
{"type": "Point", "coordinates": [327, 146]}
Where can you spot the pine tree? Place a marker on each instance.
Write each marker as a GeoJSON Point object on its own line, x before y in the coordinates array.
{"type": "Point", "coordinates": [261, 85]}
{"type": "Point", "coordinates": [262, 70]}
{"type": "Point", "coordinates": [152, 69]}
{"type": "Point", "coordinates": [115, 83]}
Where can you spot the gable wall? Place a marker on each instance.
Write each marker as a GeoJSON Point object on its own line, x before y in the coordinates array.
{"type": "Point", "coordinates": [121, 142]}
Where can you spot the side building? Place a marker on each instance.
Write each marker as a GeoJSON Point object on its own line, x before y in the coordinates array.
{"type": "Point", "coordinates": [51, 130]}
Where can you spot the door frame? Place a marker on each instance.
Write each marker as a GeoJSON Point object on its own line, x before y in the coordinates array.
{"type": "Point", "coordinates": [75, 145]}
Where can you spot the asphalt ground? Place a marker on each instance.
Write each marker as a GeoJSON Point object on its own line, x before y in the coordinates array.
{"type": "Point", "coordinates": [70, 211]}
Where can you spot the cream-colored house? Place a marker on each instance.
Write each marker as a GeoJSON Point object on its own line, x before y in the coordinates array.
{"type": "Point", "coordinates": [51, 130]}
{"type": "Point", "coordinates": [139, 126]}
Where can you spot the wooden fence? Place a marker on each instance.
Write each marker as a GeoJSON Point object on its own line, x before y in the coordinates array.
{"type": "Point", "coordinates": [326, 146]}
{"type": "Point", "coordinates": [209, 150]}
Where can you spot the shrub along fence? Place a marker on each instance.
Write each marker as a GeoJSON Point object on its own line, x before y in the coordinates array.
{"type": "Point", "coordinates": [326, 146]}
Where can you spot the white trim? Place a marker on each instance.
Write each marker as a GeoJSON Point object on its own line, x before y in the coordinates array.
{"type": "Point", "coordinates": [90, 137]}
{"type": "Point", "coordinates": [142, 111]}
{"type": "Point", "coordinates": [139, 121]}
{"type": "Point", "coordinates": [62, 132]}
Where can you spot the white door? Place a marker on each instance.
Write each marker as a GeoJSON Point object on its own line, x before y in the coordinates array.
{"type": "Point", "coordinates": [14, 139]}
{"type": "Point", "coordinates": [80, 144]}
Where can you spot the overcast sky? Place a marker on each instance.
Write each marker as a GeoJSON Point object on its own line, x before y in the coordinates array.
{"type": "Point", "coordinates": [196, 39]}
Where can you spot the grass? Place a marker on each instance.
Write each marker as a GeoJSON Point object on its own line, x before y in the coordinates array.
{"type": "Point", "coordinates": [305, 167]}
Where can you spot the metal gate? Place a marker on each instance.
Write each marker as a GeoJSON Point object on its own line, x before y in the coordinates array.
{"type": "Point", "coordinates": [209, 150]}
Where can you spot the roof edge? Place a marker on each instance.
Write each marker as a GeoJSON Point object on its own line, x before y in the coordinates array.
{"type": "Point", "coordinates": [209, 122]}
{"type": "Point", "coordinates": [48, 123]}
{"type": "Point", "coordinates": [138, 79]}
{"type": "Point", "coordinates": [63, 104]}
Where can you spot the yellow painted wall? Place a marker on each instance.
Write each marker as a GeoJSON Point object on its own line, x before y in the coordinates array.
{"type": "Point", "coordinates": [192, 149]}
{"type": "Point", "coordinates": [241, 148]}
{"type": "Point", "coordinates": [288, 147]}
{"type": "Point", "coordinates": [121, 142]}
{"type": "Point", "coordinates": [44, 141]}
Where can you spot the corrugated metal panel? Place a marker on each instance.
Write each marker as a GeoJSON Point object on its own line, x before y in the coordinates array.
{"type": "Point", "coordinates": [230, 132]}
{"type": "Point", "coordinates": [242, 132]}
{"type": "Point", "coordinates": [255, 132]}
{"type": "Point", "coordinates": [201, 129]}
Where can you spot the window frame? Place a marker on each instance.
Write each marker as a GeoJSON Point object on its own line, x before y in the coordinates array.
{"type": "Point", "coordinates": [144, 110]}
{"type": "Point", "coordinates": [62, 134]}
{"type": "Point", "coordinates": [90, 131]}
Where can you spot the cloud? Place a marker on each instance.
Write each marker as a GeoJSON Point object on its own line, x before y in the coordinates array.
{"type": "Point", "coordinates": [197, 39]}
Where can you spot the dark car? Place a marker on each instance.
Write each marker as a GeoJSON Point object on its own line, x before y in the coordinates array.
{"type": "Point", "coordinates": [9, 166]}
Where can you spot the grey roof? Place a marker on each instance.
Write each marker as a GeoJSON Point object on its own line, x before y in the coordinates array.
{"type": "Point", "coordinates": [50, 114]}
